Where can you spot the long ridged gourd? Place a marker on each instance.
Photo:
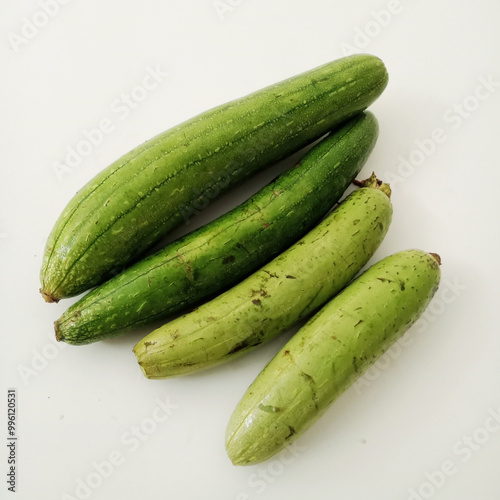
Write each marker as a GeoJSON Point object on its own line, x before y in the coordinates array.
{"type": "Point", "coordinates": [141, 197]}
{"type": "Point", "coordinates": [329, 353]}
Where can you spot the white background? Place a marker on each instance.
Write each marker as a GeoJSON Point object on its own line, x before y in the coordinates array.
{"type": "Point", "coordinates": [78, 405]}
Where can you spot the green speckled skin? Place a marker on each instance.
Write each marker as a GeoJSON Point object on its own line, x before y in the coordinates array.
{"type": "Point", "coordinates": [328, 353]}
{"type": "Point", "coordinates": [142, 196]}
{"type": "Point", "coordinates": [270, 301]}
{"type": "Point", "coordinates": [223, 252]}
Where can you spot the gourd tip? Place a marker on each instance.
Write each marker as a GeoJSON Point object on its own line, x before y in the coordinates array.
{"type": "Point", "coordinates": [436, 257]}
{"type": "Point", "coordinates": [374, 183]}
{"type": "Point", "coordinates": [56, 330]}
{"type": "Point", "coordinates": [49, 297]}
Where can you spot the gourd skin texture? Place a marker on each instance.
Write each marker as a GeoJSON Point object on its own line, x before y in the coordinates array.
{"type": "Point", "coordinates": [329, 353]}
{"type": "Point", "coordinates": [145, 194]}
{"type": "Point", "coordinates": [270, 301]}
{"type": "Point", "coordinates": [226, 250]}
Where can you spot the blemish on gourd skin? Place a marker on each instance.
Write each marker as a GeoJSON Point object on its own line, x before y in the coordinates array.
{"type": "Point", "coordinates": [355, 364]}
{"type": "Point", "coordinates": [240, 245]}
{"type": "Point", "coordinates": [271, 275]}
{"type": "Point", "coordinates": [187, 266]}
{"type": "Point", "coordinates": [254, 340]}
{"type": "Point", "coordinates": [270, 408]}
{"type": "Point", "coordinates": [307, 377]}
{"type": "Point", "coordinates": [229, 259]}
{"type": "Point", "coordinates": [385, 279]}
{"type": "Point", "coordinates": [312, 384]}
{"type": "Point", "coordinates": [149, 343]}
{"type": "Point", "coordinates": [292, 432]}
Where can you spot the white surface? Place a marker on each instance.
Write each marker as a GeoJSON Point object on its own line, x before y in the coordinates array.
{"type": "Point", "coordinates": [378, 441]}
